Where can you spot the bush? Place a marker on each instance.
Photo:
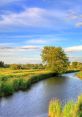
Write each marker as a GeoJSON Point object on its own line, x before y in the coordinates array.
{"type": "Point", "coordinates": [15, 66]}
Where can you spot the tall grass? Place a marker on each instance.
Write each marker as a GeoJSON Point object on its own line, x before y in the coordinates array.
{"type": "Point", "coordinates": [70, 109]}
{"type": "Point", "coordinates": [6, 88]}
{"type": "Point", "coordinates": [79, 74]}
{"type": "Point", "coordinates": [14, 80]}
{"type": "Point", "coordinates": [55, 108]}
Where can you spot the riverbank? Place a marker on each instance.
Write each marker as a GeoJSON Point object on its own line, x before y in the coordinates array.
{"type": "Point", "coordinates": [15, 80]}
{"type": "Point", "coordinates": [79, 74]}
{"type": "Point", "coordinates": [71, 71]}
{"type": "Point", "coordinates": [71, 109]}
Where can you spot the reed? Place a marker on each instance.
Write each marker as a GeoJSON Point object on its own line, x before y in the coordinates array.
{"type": "Point", "coordinates": [71, 109]}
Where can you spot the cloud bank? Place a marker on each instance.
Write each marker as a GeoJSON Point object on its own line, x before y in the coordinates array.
{"type": "Point", "coordinates": [74, 49]}
{"type": "Point", "coordinates": [30, 54]}
{"type": "Point", "coordinates": [34, 17]}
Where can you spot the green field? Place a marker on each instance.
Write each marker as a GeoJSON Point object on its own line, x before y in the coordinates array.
{"type": "Point", "coordinates": [14, 80]}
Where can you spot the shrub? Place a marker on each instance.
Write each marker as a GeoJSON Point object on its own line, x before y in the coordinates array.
{"type": "Point", "coordinates": [15, 66]}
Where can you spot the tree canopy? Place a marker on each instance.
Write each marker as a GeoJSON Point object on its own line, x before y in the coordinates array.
{"type": "Point", "coordinates": [55, 59]}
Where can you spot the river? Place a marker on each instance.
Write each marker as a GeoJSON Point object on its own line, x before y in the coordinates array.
{"type": "Point", "coordinates": [35, 101]}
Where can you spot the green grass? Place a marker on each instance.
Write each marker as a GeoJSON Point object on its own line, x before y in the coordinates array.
{"type": "Point", "coordinates": [15, 80]}
{"type": "Point", "coordinates": [79, 74]}
{"type": "Point", "coordinates": [55, 108]}
{"type": "Point", "coordinates": [71, 109]}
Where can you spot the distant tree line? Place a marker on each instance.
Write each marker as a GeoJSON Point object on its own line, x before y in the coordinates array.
{"type": "Point", "coordinates": [26, 66]}
{"type": "Point", "coordinates": [53, 58]}
{"type": "Point", "coordinates": [21, 66]}
{"type": "Point", "coordinates": [3, 65]}
{"type": "Point", "coordinates": [75, 65]}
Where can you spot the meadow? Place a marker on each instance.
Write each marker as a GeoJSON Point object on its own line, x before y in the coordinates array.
{"type": "Point", "coordinates": [22, 79]}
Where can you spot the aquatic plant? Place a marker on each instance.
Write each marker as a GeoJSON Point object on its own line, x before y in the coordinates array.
{"type": "Point", "coordinates": [71, 109]}
{"type": "Point", "coordinates": [55, 108]}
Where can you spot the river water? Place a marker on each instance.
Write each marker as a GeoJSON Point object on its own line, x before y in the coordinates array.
{"type": "Point", "coordinates": [35, 101]}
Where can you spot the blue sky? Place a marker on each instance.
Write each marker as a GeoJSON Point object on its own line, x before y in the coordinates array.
{"type": "Point", "coordinates": [28, 25]}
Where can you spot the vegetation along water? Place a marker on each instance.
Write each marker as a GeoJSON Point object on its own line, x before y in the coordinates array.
{"type": "Point", "coordinates": [19, 77]}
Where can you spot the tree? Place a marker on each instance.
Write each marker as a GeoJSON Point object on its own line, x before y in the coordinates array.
{"type": "Point", "coordinates": [2, 64]}
{"type": "Point", "coordinates": [55, 59]}
{"type": "Point", "coordinates": [79, 67]}
{"type": "Point", "coordinates": [74, 65]}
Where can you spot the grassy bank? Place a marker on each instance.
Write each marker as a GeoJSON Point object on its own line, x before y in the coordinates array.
{"type": "Point", "coordinates": [71, 71]}
{"type": "Point", "coordinates": [14, 80]}
{"type": "Point", "coordinates": [79, 74]}
{"type": "Point", "coordinates": [70, 109]}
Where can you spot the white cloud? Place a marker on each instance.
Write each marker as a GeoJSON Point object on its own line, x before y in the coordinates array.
{"type": "Point", "coordinates": [75, 58]}
{"type": "Point", "coordinates": [20, 60]}
{"type": "Point", "coordinates": [22, 54]}
{"type": "Point", "coordinates": [34, 17]}
{"type": "Point", "coordinates": [75, 16]}
{"type": "Point", "coordinates": [31, 47]}
{"type": "Point", "coordinates": [45, 41]}
{"type": "Point", "coordinates": [37, 41]}
{"type": "Point", "coordinates": [6, 48]}
{"type": "Point", "coordinates": [79, 24]}
{"type": "Point", "coordinates": [74, 53]}
{"type": "Point", "coordinates": [40, 17]}
{"type": "Point", "coordinates": [73, 49]}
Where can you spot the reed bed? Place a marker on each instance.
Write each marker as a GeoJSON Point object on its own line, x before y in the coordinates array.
{"type": "Point", "coordinates": [71, 109]}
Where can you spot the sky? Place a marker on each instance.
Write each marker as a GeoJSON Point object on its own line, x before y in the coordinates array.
{"type": "Point", "coordinates": [26, 26]}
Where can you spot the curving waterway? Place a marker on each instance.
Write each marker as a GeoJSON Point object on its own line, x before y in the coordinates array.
{"type": "Point", "coordinates": [34, 102]}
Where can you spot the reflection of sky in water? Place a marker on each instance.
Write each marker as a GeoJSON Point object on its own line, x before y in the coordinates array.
{"type": "Point", "coordinates": [3, 102]}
